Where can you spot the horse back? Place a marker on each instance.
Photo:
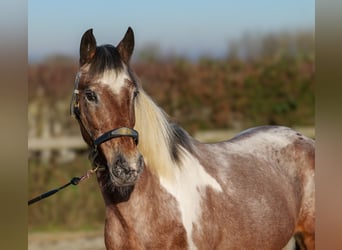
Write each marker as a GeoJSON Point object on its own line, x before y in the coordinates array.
{"type": "Point", "coordinates": [267, 177]}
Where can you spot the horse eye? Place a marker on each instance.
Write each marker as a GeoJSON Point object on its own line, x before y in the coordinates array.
{"type": "Point", "coordinates": [136, 92]}
{"type": "Point", "coordinates": [90, 95]}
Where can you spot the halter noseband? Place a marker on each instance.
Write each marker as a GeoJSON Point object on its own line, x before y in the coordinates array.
{"type": "Point", "coordinates": [114, 133]}
{"type": "Point", "coordinates": [117, 132]}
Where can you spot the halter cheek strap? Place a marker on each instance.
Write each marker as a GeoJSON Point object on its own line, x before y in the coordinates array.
{"type": "Point", "coordinates": [74, 104]}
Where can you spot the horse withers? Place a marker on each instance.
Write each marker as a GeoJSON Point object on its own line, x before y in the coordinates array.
{"type": "Point", "coordinates": [165, 190]}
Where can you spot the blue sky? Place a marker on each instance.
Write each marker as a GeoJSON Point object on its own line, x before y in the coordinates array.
{"type": "Point", "coordinates": [188, 27]}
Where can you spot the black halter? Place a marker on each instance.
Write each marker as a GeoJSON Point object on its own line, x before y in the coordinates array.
{"type": "Point", "coordinates": [114, 133]}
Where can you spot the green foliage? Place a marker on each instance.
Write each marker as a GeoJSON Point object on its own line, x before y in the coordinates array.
{"type": "Point", "coordinates": [213, 94]}
{"type": "Point", "coordinates": [280, 94]}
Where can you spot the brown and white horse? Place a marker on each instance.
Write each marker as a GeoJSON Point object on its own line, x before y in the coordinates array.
{"type": "Point", "coordinates": [169, 191]}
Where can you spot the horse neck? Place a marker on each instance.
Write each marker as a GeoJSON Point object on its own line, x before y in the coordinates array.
{"type": "Point", "coordinates": [155, 134]}
{"type": "Point", "coordinates": [129, 220]}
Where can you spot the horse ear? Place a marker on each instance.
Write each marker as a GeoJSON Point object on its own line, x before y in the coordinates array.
{"type": "Point", "coordinates": [126, 46]}
{"type": "Point", "coordinates": [87, 47]}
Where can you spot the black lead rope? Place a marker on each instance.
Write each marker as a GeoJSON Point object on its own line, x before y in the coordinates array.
{"type": "Point", "coordinates": [74, 181]}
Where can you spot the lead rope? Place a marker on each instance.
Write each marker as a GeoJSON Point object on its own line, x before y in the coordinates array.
{"type": "Point", "coordinates": [74, 181]}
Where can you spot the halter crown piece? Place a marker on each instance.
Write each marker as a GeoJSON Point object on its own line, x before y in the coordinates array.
{"type": "Point", "coordinates": [114, 133]}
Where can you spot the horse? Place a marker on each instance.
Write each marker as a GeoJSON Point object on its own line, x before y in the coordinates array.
{"type": "Point", "coordinates": [163, 189]}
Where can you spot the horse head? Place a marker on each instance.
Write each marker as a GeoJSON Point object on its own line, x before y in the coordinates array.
{"type": "Point", "coordinates": [103, 103]}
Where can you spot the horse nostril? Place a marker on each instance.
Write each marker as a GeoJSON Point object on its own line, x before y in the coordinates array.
{"type": "Point", "coordinates": [124, 169]}
{"type": "Point", "coordinates": [119, 160]}
{"type": "Point", "coordinates": [122, 163]}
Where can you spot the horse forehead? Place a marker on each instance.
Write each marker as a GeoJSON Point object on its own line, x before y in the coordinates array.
{"type": "Point", "coordinates": [115, 80]}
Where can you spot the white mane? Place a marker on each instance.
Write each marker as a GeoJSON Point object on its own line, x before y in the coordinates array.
{"type": "Point", "coordinates": [155, 135]}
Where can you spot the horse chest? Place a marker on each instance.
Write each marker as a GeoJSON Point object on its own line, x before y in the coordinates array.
{"type": "Point", "coordinates": [138, 227]}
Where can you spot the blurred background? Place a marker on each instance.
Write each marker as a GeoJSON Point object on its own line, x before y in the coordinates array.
{"type": "Point", "coordinates": [215, 67]}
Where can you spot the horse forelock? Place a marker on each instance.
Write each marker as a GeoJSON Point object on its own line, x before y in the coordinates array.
{"type": "Point", "coordinates": [106, 58]}
{"type": "Point", "coordinates": [107, 68]}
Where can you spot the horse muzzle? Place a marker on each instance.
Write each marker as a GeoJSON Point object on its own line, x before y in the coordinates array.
{"type": "Point", "coordinates": [124, 172]}
{"type": "Point", "coordinates": [122, 169]}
